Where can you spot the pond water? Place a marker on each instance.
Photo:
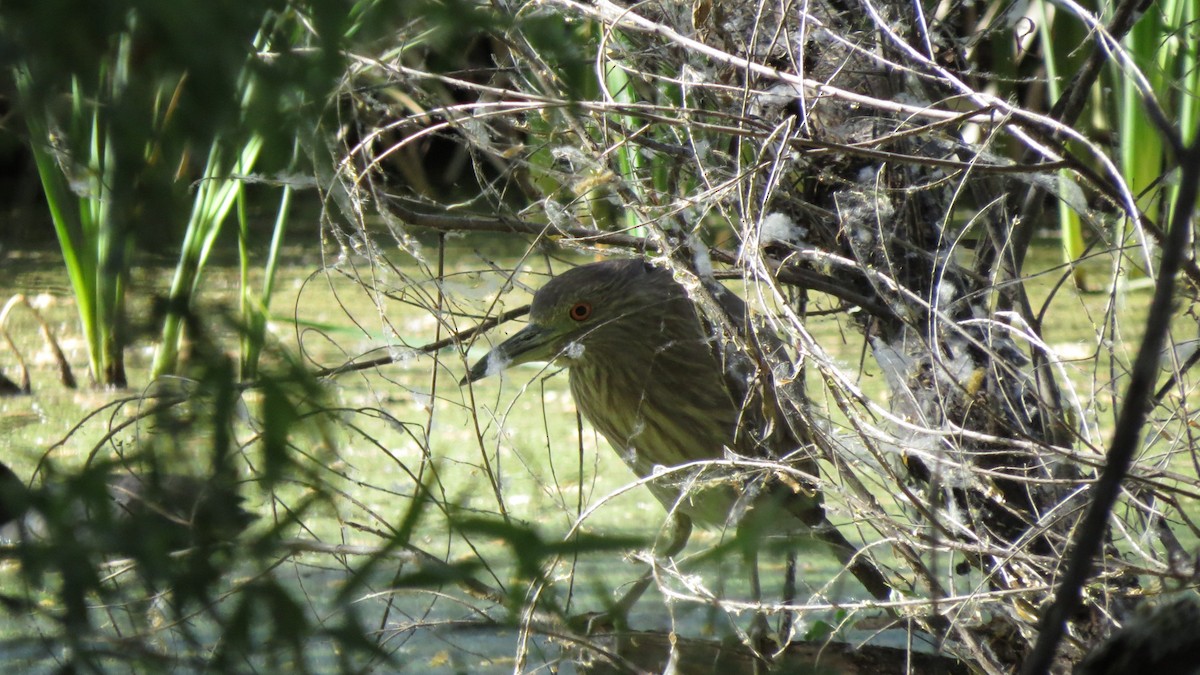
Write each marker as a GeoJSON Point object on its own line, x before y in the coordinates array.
{"type": "Point", "coordinates": [397, 422]}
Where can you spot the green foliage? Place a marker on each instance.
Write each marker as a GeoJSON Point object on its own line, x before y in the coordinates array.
{"type": "Point", "coordinates": [117, 593]}
{"type": "Point", "coordinates": [96, 576]}
{"type": "Point", "coordinates": [254, 307]}
{"type": "Point", "coordinates": [205, 47]}
{"type": "Point", "coordinates": [216, 195]}
{"type": "Point", "coordinates": [1157, 69]}
{"type": "Point", "coordinates": [116, 115]}
{"type": "Point", "coordinates": [95, 257]}
{"type": "Point", "coordinates": [531, 550]}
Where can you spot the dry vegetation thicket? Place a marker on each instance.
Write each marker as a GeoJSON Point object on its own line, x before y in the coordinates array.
{"type": "Point", "coordinates": [854, 158]}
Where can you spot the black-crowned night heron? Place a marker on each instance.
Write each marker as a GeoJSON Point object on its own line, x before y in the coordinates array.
{"type": "Point", "coordinates": [665, 390]}
{"type": "Point", "coordinates": [178, 510]}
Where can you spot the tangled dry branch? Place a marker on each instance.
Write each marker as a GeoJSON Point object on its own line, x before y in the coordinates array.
{"type": "Point", "coordinates": [843, 164]}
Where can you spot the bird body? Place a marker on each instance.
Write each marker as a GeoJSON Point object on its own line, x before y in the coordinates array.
{"type": "Point", "coordinates": [662, 386]}
{"type": "Point", "coordinates": [668, 404]}
{"type": "Point", "coordinates": [650, 376]}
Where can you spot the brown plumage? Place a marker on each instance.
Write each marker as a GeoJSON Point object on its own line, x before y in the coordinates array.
{"type": "Point", "coordinates": [662, 387]}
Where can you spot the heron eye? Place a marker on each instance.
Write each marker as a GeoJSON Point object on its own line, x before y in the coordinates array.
{"type": "Point", "coordinates": [580, 311]}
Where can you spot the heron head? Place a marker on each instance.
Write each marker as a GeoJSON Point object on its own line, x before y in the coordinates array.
{"type": "Point", "coordinates": [600, 310]}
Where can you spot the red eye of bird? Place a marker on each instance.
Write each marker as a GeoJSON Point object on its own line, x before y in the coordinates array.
{"type": "Point", "coordinates": [580, 311]}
